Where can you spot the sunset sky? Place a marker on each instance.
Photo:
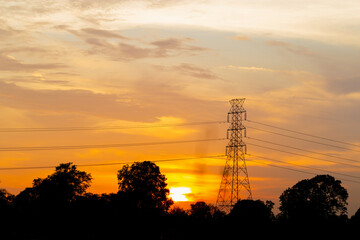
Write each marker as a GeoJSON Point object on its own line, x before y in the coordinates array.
{"type": "Point", "coordinates": [96, 63]}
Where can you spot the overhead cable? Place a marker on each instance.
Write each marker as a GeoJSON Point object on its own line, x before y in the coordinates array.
{"type": "Point", "coordinates": [68, 129]}
{"type": "Point", "coordinates": [298, 165]}
{"type": "Point", "coordinates": [111, 163]}
{"type": "Point", "coordinates": [309, 151]}
{"type": "Point", "coordinates": [292, 169]}
{"type": "Point", "coordinates": [305, 134]}
{"type": "Point", "coordinates": [115, 145]}
{"type": "Point", "coordinates": [303, 139]}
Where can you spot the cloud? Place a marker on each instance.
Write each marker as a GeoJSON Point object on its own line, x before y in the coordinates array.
{"type": "Point", "coordinates": [170, 43]}
{"type": "Point", "coordinates": [190, 70]}
{"type": "Point", "coordinates": [146, 102]}
{"type": "Point", "coordinates": [194, 71]}
{"type": "Point", "coordinates": [7, 32]}
{"type": "Point", "coordinates": [9, 63]}
{"type": "Point", "coordinates": [261, 69]}
{"type": "Point", "coordinates": [36, 78]}
{"type": "Point", "coordinates": [300, 50]}
{"type": "Point", "coordinates": [65, 101]}
{"type": "Point", "coordinates": [103, 33]}
{"type": "Point", "coordinates": [148, 130]}
{"type": "Point", "coordinates": [98, 4]}
{"type": "Point", "coordinates": [93, 33]}
{"type": "Point", "coordinates": [176, 44]}
{"type": "Point", "coordinates": [120, 51]}
{"type": "Point", "coordinates": [101, 4]}
{"type": "Point", "coordinates": [343, 85]}
{"type": "Point", "coordinates": [131, 49]}
{"type": "Point", "coordinates": [165, 3]}
{"type": "Point", "coordinates": [241, 38]}
{"type": "Point", "coordinates": [24, 49]}
{"type": "Point", "coordinates": [98, 19]}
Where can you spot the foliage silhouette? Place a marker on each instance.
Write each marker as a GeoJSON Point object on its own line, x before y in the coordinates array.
{"type": "Point", "coordinates": [356, 218]}
{"type": "Point", "coordinates": [49, 201]}
{"type": "Point", "coordinates": [144, 188]}
{"type": "Point", "coordinates": [179, 212]}
{"type": "Point", "coordinates": [319, 198]}
{"type": "Point", "coordinates": [5, 199]}
{"type": "Point", "coordinates": [252, 212]}
{"type": "Point", "coordinates": [201, 210]}
{"type": "Point", "coordinates": [6, 204]}
{"type": "Point", "coordinates": [59, 207]}
{"type": "Point", "coordinates": [57, 189]}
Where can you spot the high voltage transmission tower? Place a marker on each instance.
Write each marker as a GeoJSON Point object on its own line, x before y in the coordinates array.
{"type": "Point", "coordinates": [235, 184]}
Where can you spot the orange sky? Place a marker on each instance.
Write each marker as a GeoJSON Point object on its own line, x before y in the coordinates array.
{"type": "Point", "coordinates": [93, 63]}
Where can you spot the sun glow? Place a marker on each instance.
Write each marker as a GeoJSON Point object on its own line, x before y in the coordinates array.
{"type": "Point", "coordinates": [178, 194]}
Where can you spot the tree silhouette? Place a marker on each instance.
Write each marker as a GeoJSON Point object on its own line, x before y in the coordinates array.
{"type": "Point", "coordinates": [7, 214]}
{"type": "Point", "coordinates": [356, 218]}
{"type": "Point", "coordinates": [252, 211]}
{"type": "Point", "coordinates": [178, 212]}
{"type": "Point", "coordinates": [200, 210]}
{"type": "Point", "coordinates": [318, 198]}
{"type": "Point", "coordinates": [48, 203]}
{"type": "Point", "coordinates": [5, 198]}
{"type": "Point", "coordinates": [144, 187]}
{"type": "Point", "coordinates": [6, 202]}
{"type": "Point", "coordinates": [58, 189]}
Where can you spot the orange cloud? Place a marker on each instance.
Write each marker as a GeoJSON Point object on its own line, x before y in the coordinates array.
{"type": "Point", "coordinates": [169, 131]}
{"type": "Point", "coordinates": [9, 63]}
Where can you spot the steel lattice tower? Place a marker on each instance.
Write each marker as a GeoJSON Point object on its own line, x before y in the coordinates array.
{"type": "Point", "coordinates": [235, 180]}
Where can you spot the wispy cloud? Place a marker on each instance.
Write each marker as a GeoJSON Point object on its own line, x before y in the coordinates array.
{"type": "Point", "coordinates": [190, 70]}
{"type": "Point", "coordinates": [256, 69]}
{"type": "Point", "coordinates": [296, 49]}
{"type": "Point", "coordinates": [7, 31]}
{"type": "Point", "coordinates": [103, 33]}
{"type": "Point", "coordinates": [262, 69]}
{"type": "Point", "coordinates": [9, 63]}
{"type": "Point", "coordinates": [344, 85]}
{"type": "Point", "coordinates": [97, 4]}
{"type": "Point", "coordinates": [159, 100]}
{"type": "Point", "coordinates": [125, 48]}
{"type": "Point", "coordinates": [85, 33]}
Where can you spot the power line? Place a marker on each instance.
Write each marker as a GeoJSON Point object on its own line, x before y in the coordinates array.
{"type": "Point", "coordinates": [304, 150]}
{"type": "Point", "coordinates": [292, 169]}
{"type": "Point", "coordinates": [302, 139]}
{"type": "Point", "coordinates": [111, 164]}
{"type": "Point", "coordinates": [116, 145]}
{"type": "Point", "coordinates": [69, 129]}
{"type": "Point", "coordinates": [305, 134]}
{"type": "Point", "coordinates": [298, 165]}
{"type": "Point", "coordinates": [278, 166]}
{"type": "Point", "coordinates": [298, 155]}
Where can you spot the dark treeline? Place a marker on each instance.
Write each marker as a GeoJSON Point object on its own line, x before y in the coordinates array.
{"type": "Point", "coordinates": [59, 207]}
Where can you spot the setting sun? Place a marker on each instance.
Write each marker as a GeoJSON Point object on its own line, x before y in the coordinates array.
{"type": "Point", "coordinates": [178, 194]}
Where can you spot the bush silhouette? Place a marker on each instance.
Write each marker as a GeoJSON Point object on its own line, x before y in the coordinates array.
{"type": "Point", "coordinates": [252, 211]}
